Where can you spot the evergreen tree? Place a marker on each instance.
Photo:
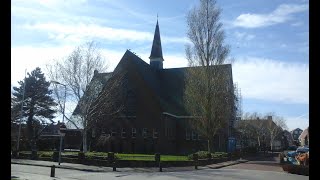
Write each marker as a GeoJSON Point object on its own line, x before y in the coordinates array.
{"type": "Point", "coordinates": [38, 105]}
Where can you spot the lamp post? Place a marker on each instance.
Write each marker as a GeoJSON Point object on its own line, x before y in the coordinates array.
{"type": "Point", "coordinates": [19, 132]}
{"type": "Point", "coordinates": [64, 106]}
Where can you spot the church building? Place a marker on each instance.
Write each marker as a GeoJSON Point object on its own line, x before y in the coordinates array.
{"type": "Point", "coordinates": [139, 108]}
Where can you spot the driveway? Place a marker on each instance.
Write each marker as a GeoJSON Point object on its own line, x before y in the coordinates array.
{"type": "Point", "coordinates": [262, 162]}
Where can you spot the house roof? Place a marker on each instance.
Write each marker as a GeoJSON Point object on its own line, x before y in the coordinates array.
{"type": "Point", "coordinates": [297, 129]}
{"type": "Point", "coordinates": [93, 89]}
{"type": "Point", "coordinates": [304, 134]}
{"type": "Point", "coordinates": [167, 85]}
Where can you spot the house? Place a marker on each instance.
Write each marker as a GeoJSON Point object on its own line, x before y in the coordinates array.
{"type": "Point", "coordinates": [145, 112]}
{"type": "Point", "coordinates": [50, 137]}
{"type": "Point", "coordinates": [295, 135]}
{"type": "Point", "coordinates": [257, 133]}
{"type": "Point", "coordinates": [304, 137]}
{"type": "Point", "coordinates": [288, 138]}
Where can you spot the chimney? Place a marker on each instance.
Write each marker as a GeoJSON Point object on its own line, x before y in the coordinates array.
{"type": "Point", "coordinates": [269, 118]}
{"type": "Point", "coordinates": [95, 72]}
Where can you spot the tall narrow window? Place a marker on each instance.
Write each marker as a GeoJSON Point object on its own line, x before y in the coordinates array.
{"type": "Point", "coordinates": [123, 133]}
{"type": "Point", "coordinates": [155, 133]}
{"type": "Point", "coordinates": [134, 133]}
{"type": "Point", "coordinates": [144, 133]}
{"type": "Point", "coordinates": [113, 132]}
{"type": "Point", "coordinates": [194, 135]}
{"type": "Point", "coordinates": [187, 134]}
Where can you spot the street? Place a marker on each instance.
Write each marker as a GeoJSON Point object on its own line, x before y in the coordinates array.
{"type": "Point", "coordinates": [260, 162]}
{"type": "Point", "coordinates": [27, 172]}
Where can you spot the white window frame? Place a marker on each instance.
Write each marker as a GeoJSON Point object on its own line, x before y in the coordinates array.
{"type": "Point", "coordinates": [144, 132]}
{"type": "Point", "coordinates": [123, 133]}
{"type": "Point", "coordinates": [194, 135]}
{"type": "Point", "coordinates": [113, 132]}
{"type": "Point", "coordinates": [133, 132]}
{"type": "Point", "coordinates": [155, 133]}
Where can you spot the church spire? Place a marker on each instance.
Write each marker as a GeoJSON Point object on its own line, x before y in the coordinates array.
{"type": "Point", "coordinates": [156, 57]}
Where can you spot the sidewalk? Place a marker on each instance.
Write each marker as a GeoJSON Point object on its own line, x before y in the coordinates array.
{"type": "Point", "coordinates": [82, 167]}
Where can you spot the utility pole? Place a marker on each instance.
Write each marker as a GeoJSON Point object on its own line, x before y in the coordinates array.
{"type": "Point", "coordinates": [64, 106]}
{"type": "Point", "coordinates": [19, 132]}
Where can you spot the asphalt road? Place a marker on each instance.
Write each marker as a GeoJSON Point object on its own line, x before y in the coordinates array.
{"type": "Point", "coordinates": [263, 163]}
{"type": "Point", "coordinates": [27, 172]}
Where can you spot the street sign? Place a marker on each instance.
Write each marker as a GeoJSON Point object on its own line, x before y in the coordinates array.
{"type": "Point", "coordinates": [63, 129]}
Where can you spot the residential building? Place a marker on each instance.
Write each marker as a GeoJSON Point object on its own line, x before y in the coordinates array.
{"type": "Point", "coordinates": [256, 133]}
{"type": "Point", "coordinates": [295, 135]}
{"type": "Point", "coordinates": [288, 138]}
{"type": "Point", "coordinates": [304, 137]}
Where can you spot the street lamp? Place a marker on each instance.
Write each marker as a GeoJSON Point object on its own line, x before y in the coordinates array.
{"type": "Point", "coordinates": [64, 106]}
{"type": "Point", "coordinates": [19, 132]}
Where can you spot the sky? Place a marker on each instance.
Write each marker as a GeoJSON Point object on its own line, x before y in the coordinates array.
{"type": "Point", "coordinates": [269, 42]}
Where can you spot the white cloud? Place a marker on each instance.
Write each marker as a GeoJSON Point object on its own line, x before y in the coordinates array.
{"type": "Point", "coordinates": [280, 15]}
{"type": "Point", "coordinates": [75, 32]}
{"type": "Point", "coordinates": [242, 36]}
{"type": "Point", "coordinates": [27, 57]}
{"type": "Point", "coordinates": [271, 80]}
{"type": "Point", "coordinates": [283, 45]}
{"type": "Point", "coordinates": [300, 23]}
{"type": "Point", "coordinates": [79, 32]}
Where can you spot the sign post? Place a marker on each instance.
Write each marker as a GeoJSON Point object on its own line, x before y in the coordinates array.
{"type": "Point", "coordinates": [62, 133]}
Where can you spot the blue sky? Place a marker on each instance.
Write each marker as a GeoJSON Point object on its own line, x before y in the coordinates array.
{"type": "Point", "coordinates": [269, 42]}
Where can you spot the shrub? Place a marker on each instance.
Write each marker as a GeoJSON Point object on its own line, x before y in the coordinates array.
{"type": "Point", "coordinates": [201, 155]}
{"type": "Point", "coordinates": [55, 156]}
{"type": "Point", "coordinates": [45, 154]}
{"type": "Point", "coordinates": [81, 155]}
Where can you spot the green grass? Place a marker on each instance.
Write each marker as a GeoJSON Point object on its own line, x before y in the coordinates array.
{"type": "Point", "coordinates": [121, 156]}
{"type": "Point", "coordinates": [174, 158]}
{"type": "Point", "coordinates": [45, 153]}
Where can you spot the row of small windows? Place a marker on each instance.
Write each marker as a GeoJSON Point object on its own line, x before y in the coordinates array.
{"type": "Point", "coordinates": [297, 132]}
{"type": "Point", "coordinates": [145, 133]}
{"type": "Point", "coordinates": [192, 135]}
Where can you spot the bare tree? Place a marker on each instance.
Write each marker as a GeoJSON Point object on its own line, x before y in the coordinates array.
{"type": "Point", "coordinates": [101, 103]}
{"type": "Point", "coordinates": [254, 127]}
{"type": "Point", "coordinates": [275, 127]}
{"type": "Point", "coordinates": [76, 72]}
{"type": "Point", "coordinates": [208, 93]}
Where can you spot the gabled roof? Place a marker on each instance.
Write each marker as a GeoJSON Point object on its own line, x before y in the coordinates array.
{"type": "Point", "coordinates": [304, 134]}
{"type": "Point", "coordinates": [94, 88]}
{"type": "Point", "coordinates": [297, 129]}
{"type": "Point", "coordinates": [166, 85]}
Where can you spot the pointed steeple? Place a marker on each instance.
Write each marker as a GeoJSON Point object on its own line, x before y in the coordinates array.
{"type": "Point", "coordinates": [156, 57]}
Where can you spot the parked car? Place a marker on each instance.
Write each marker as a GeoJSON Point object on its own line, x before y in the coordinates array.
{"type": "Point", "coordinates": [303, 149]}
{"type": "Point", "coordinates": [292, 148]}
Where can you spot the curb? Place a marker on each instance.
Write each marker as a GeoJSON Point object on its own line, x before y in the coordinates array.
{"type": "Point", "coordinates": [61, 167]}
{"type": "Point", "coordinates": [225, 165]}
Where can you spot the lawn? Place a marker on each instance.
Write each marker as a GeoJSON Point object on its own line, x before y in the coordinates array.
{"type": "Point", "coordinates": [121, 156]}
